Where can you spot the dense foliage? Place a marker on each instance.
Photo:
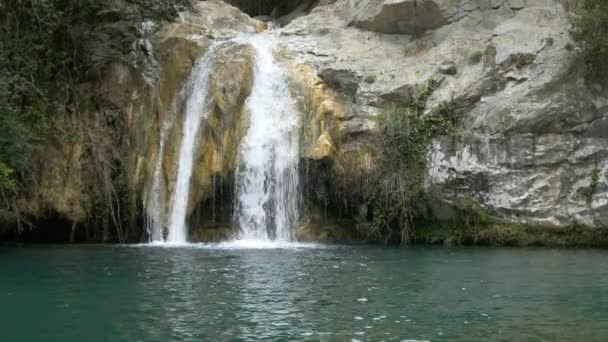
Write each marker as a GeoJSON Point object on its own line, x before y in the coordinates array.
{"type": "Point", "coordinates": [401, 166]}
{"type": "Point", "coordinates": [590, 31]}
{"type": "Point", "coordinates": [51, 54]}
{"type": "Point", "coordinates": [45, 51]}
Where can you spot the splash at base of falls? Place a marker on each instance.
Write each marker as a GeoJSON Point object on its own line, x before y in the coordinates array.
{"type": "Point", "coordinates": [267, 185]}
{"type": "Point", "coordinates": [239, 244]}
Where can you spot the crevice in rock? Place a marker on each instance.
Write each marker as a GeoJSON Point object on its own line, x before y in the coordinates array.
{"type": "Point", "coordinates": [273, 8]}
{"type": "Point", "coordinates": [212, 217]}
{"type": "Point", "coordinates": [51, 229]}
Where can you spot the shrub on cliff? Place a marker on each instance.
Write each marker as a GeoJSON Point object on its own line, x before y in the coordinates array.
{"type": "Point", "coordinates": [403, 146]}
{"type": "Point", "coordinates": [48, 48]}
{"type": "Point", "coordinates": [590, 31]}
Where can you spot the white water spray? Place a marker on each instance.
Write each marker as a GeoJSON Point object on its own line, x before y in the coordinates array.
{"type": "Point", "coordinates": [155, 218]}
{"type": "Point", "coordinates": [195, 110]}
{"type": "Point", "coordinates": [267, 185]}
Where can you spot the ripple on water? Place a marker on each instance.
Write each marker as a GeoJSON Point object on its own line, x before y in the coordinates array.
{"type": "Point", "coordinates": [211, 292]}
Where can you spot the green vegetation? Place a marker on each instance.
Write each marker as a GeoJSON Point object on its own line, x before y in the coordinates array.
{"type": "Point", "coordinates": [595, 178]}
{"type": "Point", "coordinates": [513, 235]}
{"type": "Point", "coordinates": [470, 213]}
{"type": "Point", "coordinates": [49, 49]}
{"type": "Point", "coordinates": [45, 51]}
{"type": "Point", "coordinates": [40, 60]}
{"type": "Point", "coordinates": [6, 177]}
{"type": "Point", "coordinates": [403, 145]}
{"type": "Point", "coordinates": [590, 31]}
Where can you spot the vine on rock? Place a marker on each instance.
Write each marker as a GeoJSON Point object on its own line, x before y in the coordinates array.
{"type": "Point", "coordinates": [401, 163]}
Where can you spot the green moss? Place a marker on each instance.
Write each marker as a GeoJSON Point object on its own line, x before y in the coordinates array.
{"type": "Point", "coordinates": [512, 235]}
{"type": "Point", "coordinates": [473, 224]}
{"type": "Point", "coordinates": [470, 213]}
{"type": "Point", "coordinates": [7, 182]}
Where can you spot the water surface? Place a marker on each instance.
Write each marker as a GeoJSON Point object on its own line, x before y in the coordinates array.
{"type": "Point", "coordinates": [302, 293]}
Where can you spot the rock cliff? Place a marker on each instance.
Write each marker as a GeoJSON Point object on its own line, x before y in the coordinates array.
{"type": "Point", "coordinates": [530, 145]}
{"type": "Point", "coordinates": [531, 140]}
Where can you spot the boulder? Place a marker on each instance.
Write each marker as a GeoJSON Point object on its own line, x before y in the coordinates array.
{"type": "Point", "coordinates": [402, 16]}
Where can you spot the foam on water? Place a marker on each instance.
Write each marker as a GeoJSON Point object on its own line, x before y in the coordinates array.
{"type": "Point", "coordinates": [236, 244]}
{"type": "Point", "coordinates": [252, 244]}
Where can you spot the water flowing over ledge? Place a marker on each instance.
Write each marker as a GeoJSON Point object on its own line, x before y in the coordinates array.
{"type": "Point", "coordinates": [267, 182]}
{"type": "Point", "coordinates": [266, 205]}
{"type": "Point", "coordinates": [195, 110]}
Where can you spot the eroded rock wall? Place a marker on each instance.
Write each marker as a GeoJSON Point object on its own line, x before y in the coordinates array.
{"type": "Point", "coordinates": [95, 173]}
{"type": "Point", "coordinates": [531, 143]}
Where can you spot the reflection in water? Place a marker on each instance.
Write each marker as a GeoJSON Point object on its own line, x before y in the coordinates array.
{"type": "Point", "coordinates": [223, 293]}
{"type": "Point", "coordinates": [181, 305]}
{"type": "Point", "coordinates": [269, 296]}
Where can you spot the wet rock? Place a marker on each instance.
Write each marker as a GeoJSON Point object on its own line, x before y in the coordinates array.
{"type": "Point", "coordinates": [342, 80]}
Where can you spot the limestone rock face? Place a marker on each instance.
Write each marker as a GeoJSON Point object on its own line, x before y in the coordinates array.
{"type": "Point", "coordinates": [403, 16]}
{"type": "Point", "coordinates": [219, 18]}
{"type": "Point", "coordinates": [530, 146]}
{"type": "Point", "coordinates": [531, 141]}
{"type": "Point", "coordinates": [273, 9]}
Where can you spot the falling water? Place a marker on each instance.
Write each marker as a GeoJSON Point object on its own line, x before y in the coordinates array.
{"type": "Point", "coordinates": [267, 176]}
{"type": "Point", "coordinates": [155, 218]}
{"type": "Point", "coordinates": [195, 110]}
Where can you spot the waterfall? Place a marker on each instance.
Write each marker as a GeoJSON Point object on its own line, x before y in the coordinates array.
{"type": "Point", "coordinates": [155, 218]}
{"type": "Point", "coordinates": [266, 207]}
{"type": "Point", "coordinates": [266, 179]}
{"type": "Point", "coordinates": [195, 110]}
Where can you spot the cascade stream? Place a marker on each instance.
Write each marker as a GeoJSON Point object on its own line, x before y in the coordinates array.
{"type": "Point", "coordinates": [195, 109]}
{"type": "Point", "coordinates": [266, 179]}
{"type": "Point", "coordinates": [267, 176]}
